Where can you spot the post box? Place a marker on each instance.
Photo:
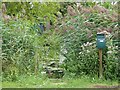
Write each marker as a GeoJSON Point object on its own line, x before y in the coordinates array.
{"type": "Point", "coordinates": [101, 42]}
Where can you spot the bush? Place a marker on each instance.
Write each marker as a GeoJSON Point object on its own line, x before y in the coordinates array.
{"type": "Point", "coordinates": [81, 56]}
{"type": "Point", "coordinates": [111, 61]}
{"type": "Point", "coordinates": [17, 47]}
{"type": "Point", "coordinates": [24, 49]}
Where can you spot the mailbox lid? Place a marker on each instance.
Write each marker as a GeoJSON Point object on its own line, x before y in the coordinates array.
{"type": "Point", "coordinates": [101, 42]}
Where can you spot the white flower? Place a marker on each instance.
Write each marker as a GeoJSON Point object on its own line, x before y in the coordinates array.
{"type": "Point", "coordinates": [80, 52]}
{"type": "Point", "coordinates": [43, 72]}
{"type": "Point", "coordinates": [88, 51]}
{"type": "Point", "coordinates": [109, 52]}
{"type": "Point", "coordinates": [87, 44]}
{"type": "Point", "coordinates": [109, 47]}
{"type": "Point", "coordinates": [90, 43]}
{"type": "Point", "coordinates": [84, 44]}
{"type": "Point", "coordinates": [116, 46]}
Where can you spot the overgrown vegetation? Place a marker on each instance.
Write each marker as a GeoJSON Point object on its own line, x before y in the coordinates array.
{"type": "Point", "coordinates": [70, 33]}
{"type": "Point", "coordinates": [24, 50]}
{"type": "Point", "coordinates": [79, 41]}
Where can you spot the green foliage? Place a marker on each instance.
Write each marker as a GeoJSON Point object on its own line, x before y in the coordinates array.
{"type": "Point", "coordinates": [26, 81]}
{"type": "Point", "coordinates": [11, 73]}
{"type": "Point", "coordinates": [79, 42]}
{"type": "Point", "coordinates": [33, 10]}
{"type": "Point", "coordinates": [64, 5]}
{"type": "Point", "coordinates": [111, 61]}
{"type": "Point", "coordinates": [23, 49]}
{"type": "Point", "coordinates": [81, 56]}
{"type": "Point", "coordinates": [17, 48]}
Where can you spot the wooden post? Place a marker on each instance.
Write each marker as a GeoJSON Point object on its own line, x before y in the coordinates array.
{"type": "Point", "coordinates": [100, 64]}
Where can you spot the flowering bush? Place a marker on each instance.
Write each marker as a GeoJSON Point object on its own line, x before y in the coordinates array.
{"type": "Point", "coordinates": [79, 38]}
{"type": "Point", "coordinates": [81, 55]}
{"type": "Point", "coordinates": [111, 60]}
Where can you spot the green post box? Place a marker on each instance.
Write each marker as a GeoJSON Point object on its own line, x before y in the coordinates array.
{"type": "Point", "coordinates": [101, 43]}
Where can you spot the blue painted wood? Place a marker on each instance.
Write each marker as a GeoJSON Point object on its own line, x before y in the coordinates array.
{"type": "Point", "coordinates": [42, 27]}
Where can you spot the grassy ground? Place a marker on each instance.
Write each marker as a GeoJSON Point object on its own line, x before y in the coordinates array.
{"type": "Point", "coordinates": [65, 82]}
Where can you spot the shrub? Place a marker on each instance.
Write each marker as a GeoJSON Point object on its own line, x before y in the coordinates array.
{"type": "Point", "coordinates": [17, 47]}
{"type": "Point", "coordinates": [111, 61]}
{"type": "Point", "coordinates": [81, 56]}
{"type": "Point", "coordinates": [24, 49]}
